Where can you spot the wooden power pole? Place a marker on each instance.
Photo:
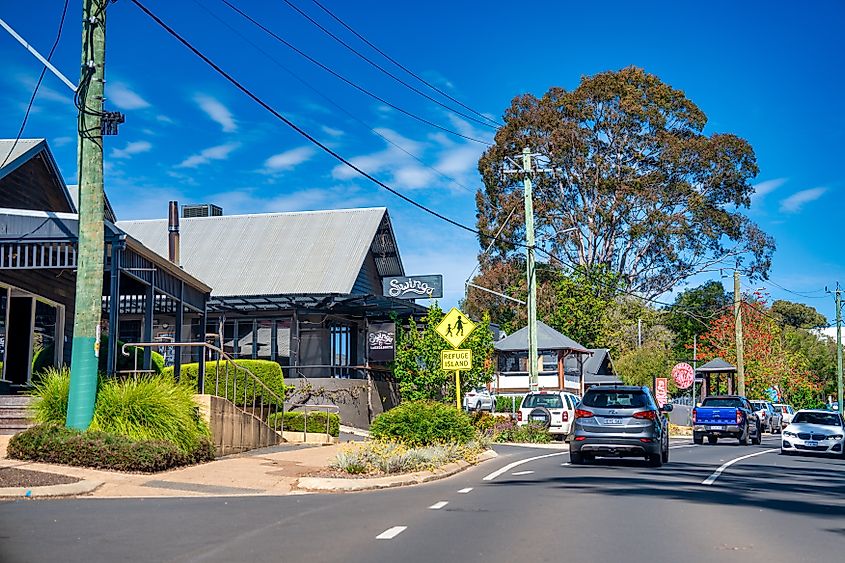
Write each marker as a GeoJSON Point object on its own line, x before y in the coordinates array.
{"type": "Point", "coordinates": [89, 273]}
{"type": "Point", "coordinates": [740, 360]}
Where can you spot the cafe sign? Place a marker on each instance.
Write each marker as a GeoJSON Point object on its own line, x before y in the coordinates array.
{"type": "Point", "coordinates": [413, 287]}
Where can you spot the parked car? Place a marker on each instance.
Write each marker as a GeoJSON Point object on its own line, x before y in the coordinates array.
{"type": "Point", "coordinates": [770, 417]}
{"type": "Point", "coordinates": [479, 400]}
{"type": "Point", "coordinates": [786, 411]}
{"type": "Point", "coordinates": [554, 410]}
{"type": "Point", "coordinates": [814, 432]}
{"type": "Point", "coordinates": [620, 421]}
{"type": "Point", "coordinates": [725, 416]}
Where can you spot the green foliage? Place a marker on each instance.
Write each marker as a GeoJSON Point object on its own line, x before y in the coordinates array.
{"type": "Point", "coordinates": [505, 403]}
{"type": "Point", "coordinates": [640, 366]}
{"type": "Point", "coordinates": [685, 316]}
{"type": "Point", "coordinates": [51, 396]}
{"type": "Point", "coordinates": [417, 364]}
{"type": "Point", "coordinates": [391, 457]}
{"type": "Point", "coordinates": [581, 304]}
{"type": "Point", "coordinates": [508, 431]}
{"type": "Point", "coordinates": [648, 192]}
{"type": "Point", "coordinates": [798, 315]}
{"type": "Point", "coordinates": [294, 421]}
{"type": "Point", "coordinates": [145, 409]}
{"type": "Point", "coordinates": [483, 421]}
{"type": "Point", "coordinates": [103, 450]}
{"type": "Point", "coordinates": [422, 423]}
{"type": "Point", "coordinates": [240, 386]}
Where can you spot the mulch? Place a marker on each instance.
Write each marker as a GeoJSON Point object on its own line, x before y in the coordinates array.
{"type": "Point", "coordinates": [14, 477]}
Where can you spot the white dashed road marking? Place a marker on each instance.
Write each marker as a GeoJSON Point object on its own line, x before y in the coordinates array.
{"type": "Point", "coordinates": [510, 466]}
{"type": "Point", "coordinates": [391, 533]}
{"type": "Point", "coordinates": [518, 473]}
{"type": "Point", "coordinates": [712, 479]}
{"type": "Point", "coordinates": [465, 491]}
{"type": "Point", "coordinates": [438, 505]}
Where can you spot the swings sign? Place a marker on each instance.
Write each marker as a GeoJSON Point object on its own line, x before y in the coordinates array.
{"type": "Point", "coordinates": [414, 287]}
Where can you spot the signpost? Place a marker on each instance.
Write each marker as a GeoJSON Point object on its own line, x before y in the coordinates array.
{"type": "Point", "coordinates": [662, 390]}
{"type": "Point", "coordinates": [455, 328]}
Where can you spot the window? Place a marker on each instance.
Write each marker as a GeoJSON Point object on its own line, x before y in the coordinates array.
{"type": "Point", "coordinates": [341, 350]}
{"type": "Point", "coordinates": [44, 336]}
{"type": "Point", "coordinates": [548, 400]}
{"type": "Point", "coordinates": [615, 399]}
{"type": "Point", "coordinates": [822, 418]}
{"type": "Point", "coordinates": [264, 340]}
{"type": "Point", "coordinates": [732, 402]}
{"type": "Point", "coordinates": [283, 342]}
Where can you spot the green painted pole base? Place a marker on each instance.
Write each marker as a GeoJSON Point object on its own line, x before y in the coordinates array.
{"type": "Point", "coordinates": [83, 384]}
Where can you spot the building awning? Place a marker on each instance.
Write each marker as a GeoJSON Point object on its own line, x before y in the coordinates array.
{"type": "Point", "coordinates": [368, 305]}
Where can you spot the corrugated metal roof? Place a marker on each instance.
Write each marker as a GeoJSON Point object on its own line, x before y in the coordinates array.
{"type": "Point", "coordinates": [17, 150]}
{"type": "Point", "coordinates": [547, 339]}
{"type": "Point", "coordinates": [276, 253]}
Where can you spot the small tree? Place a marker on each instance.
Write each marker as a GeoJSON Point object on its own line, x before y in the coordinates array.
{"type": "Point", "coordinates": [417, 366]}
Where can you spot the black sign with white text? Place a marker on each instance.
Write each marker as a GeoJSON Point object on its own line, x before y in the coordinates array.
{"type": "Point", "coordinates": [414, 287]}
{"type": "Point", "coordinates": [381, 342]}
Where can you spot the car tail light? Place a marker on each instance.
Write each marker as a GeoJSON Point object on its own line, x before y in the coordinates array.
{"type": "Point", "coordinates": [519, 416]}
{"type": "Point", "coordinates": [580, 438]}
{"type": "Point", "coordinates": [694, 416]}
{"type": "Point", "coordinates": [565, 416]}
{"type": "Point", "coordinates": [645, 440]}
{"type": "Point", "coordinates": [738, 416]}
{"type": "Point", "coordinates": [648, 415]}
{"type": "Point", "coordinates": [581, 413]}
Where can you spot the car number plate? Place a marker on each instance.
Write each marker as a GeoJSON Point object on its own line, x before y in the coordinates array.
{"type": "Point", "coordinates": [717, 427]}
{"type": "Point", "coordinates": [811, 443]}
{"type": "Point", "coordinates": [539, 418]}
{"type": "Point", "coordinates": [613, 421]}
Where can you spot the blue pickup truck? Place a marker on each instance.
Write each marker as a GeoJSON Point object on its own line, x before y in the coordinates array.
{"type": "Point", "coordinates": [725, 416]}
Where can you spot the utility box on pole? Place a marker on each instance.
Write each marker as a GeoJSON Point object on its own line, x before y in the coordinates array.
{"type": "Point", "coordinates": [89, 273]}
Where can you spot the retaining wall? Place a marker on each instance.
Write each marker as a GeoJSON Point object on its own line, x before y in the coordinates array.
{"type": "Point", "coordinates": [232, 430]}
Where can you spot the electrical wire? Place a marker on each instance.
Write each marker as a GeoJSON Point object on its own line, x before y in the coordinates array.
{"type": "Point", "coordinates": [349, 81]}
{"type": "Point", "coordinates": [374, 64]}
{"type": "Point", "coordinates": [799, 293]}
{"type": "Point", "coordinates": [37, 85]}
{"type": "Point", "coordinates": [331, 101]}
{"type": "Point", "coordinates": [403, 67]}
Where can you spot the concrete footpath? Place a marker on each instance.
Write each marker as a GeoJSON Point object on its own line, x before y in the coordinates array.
{"type": "Point", "coordinates": [276, 470]}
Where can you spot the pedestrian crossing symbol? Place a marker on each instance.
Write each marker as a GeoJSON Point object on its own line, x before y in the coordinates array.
{"type": "Point", "coordinates": [455, 327]}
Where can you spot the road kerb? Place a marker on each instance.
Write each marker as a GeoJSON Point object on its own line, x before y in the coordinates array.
{"type": "Point", "coordinates": [82, 487]}
{"type": "Point", "coordinates": [343, 485]}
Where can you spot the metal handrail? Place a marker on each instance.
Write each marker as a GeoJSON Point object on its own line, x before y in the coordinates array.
{"type": "Point", "coordinates": [305, 416]}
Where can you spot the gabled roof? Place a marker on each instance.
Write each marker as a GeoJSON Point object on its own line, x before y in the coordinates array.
{"type": "Point", "coordinates": [547, 339]}
{"type": "Point", "coordinates": [279, 253]}
{"type": "Point", "coordinates": [717, 365]}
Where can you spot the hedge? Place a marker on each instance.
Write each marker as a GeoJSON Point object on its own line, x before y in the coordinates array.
{"type": "Point", "coordinates": [102, 450]}
{"type": "Point", "coordinates": [423, 423]}
{"type": "Point", "coordinates": [269, 373]}
{"type": "Point", "coordinates": [294, 421]}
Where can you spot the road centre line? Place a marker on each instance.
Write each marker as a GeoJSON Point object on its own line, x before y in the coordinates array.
{"type": "Point", "coordinates": [518, 473]}
{"type": "Point", "coordinates": [465, 491]}
{"type": "Point", "coordinates": [683, 446]}
{"type": "Point", "coordinates": [438, 505]}
{"type": "Point", "coordinates": [712, 479]}
{"type": "Point", "coordinates": [391, 533]}
{"type": "Point", "coordinates": [510, 466]}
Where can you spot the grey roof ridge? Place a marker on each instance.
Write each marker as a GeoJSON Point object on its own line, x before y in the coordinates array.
{"type": "Point", "coordinates": [265, 214]}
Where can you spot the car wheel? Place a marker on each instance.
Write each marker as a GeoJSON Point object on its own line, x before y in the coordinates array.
{"type": "Point", "coordinates": [665, 456]}
{"type": "Point", "coordinates": [757, 438]}
{"type": "Point", "coordinates": [575, 458]}
{"type": "Point", "coordinates": [655, 460]}
{"type": "Point", "coordinates": [697, 439]}
{"type": "Point", "coordinates": [712, 440]}
{"type": "Point", "coordinates": [743, 438]}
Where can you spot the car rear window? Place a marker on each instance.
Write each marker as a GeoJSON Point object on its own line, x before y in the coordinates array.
{"type": "Point", "coordinates": [831, 419]}
{"type": "Point", "coordinates": [615, 399]}
{"type": "Point", "coordinates": [548, 400]}
{"type": "Point", "coordinates": [758, 405]}
{"type": "Point", "coordinates": [722, 402]}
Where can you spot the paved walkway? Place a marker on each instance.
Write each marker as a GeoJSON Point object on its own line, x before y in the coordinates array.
{"type": "Point", "coordinates": [269, 471]}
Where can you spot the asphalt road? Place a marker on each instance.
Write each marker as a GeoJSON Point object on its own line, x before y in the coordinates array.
{"type": "Point", "coordinates": [766, 507]}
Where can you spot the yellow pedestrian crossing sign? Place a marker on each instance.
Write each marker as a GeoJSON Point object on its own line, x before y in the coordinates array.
{"type": "Point", "coordinates": [455, 327]}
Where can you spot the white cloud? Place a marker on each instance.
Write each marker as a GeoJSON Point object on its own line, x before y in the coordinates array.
{"type": "Point", "coordinates": [796, 201]}
{"type": "Point", "coordinates": [45, 93]}
{"type": "Point", "coordinates": [123, 97]}
{"type": "Point", "coordinates": [62, 141]}
{"type": "Point", "coordinates": [289, 159]}
{"type": "Point", "coordinates": [164, 119]}
{"type": "Point", "coordinates": [220, 152]}
{"type": "Point", "coordinates": [135, 147]}
{"type": "Point", "coordinates": [331, 131]}
{"type": "Point", "coordinates": [766, 187]}
{"type": "Point", "coordinates": [217, 112]}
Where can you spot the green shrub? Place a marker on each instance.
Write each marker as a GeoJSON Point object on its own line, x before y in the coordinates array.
{"type": "Point", "coordinates": [531, 433]}
{"type": "Point", "coordinates": [507, 404]}
{"type": "Point", "coordinates": [102, 450]}
{"type": "Point", "coordinates": [143, 408]}
{"type": "Point", "coordinates": [269, 373]}
{"type": "Point", "coordinates": [390, 457]}
{"type": "Point", "coordinates": [423, 423]}
{"type": "Point", "coordinates": [294, 421]}
{"type": "Point", "coordinates": [483, 421]}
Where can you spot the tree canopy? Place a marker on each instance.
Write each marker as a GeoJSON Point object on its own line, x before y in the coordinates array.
{"type": "Point", "coordinates": [798, 315]}
{"type": "Point", "coordinates": [651, 197]}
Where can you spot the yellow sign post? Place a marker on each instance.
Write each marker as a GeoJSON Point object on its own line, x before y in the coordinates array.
{"type": "Point", "coordinates": [455, 328]}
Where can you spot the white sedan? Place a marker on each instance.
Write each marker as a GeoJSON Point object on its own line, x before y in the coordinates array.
{"type": "Point", "coordinates": [814, 432]}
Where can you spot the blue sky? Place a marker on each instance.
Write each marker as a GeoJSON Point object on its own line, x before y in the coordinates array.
{"type": "Point", "coordinates": [771, 72]}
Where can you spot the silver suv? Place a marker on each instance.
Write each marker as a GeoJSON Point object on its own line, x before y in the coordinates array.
{"type": "Point", "coordinates": [620, 421]}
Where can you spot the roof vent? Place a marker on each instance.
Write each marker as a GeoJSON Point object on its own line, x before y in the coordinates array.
{"type": "Point", "coordinates": [201, 210]}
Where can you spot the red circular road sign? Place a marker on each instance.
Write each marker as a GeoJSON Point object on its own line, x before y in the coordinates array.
{"type": "Point", "coordinates": [683, 374]}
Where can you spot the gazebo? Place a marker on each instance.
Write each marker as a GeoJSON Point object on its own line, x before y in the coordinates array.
{"type": "Point", "coordinates": [714, 373]}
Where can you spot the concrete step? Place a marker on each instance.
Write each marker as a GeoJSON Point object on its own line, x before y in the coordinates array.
{"type": "Point", "coordinates": [15, 413]}
{"type": "Point", "coordinates": [13, 400]}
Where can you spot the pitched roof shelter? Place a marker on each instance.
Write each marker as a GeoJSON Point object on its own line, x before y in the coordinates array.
{"type": "Point", "coordinates": [547, 339]}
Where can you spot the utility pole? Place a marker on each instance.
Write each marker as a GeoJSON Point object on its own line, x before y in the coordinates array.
{"type": "Point", "coordinates": [740, 360]}
{"type": "Point", "coordinates": [838, 295]}
{"type": "Point", "coordinates": [89, 273]}
{"type": "Point", "coordinates": [639, 333]}
{"type": "Point", "coordinates": [531, 274]}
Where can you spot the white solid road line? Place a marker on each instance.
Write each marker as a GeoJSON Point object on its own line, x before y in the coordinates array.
{"type": "Point", "coordinates": [510, 466]}
{"type": "Point", "coordinates": [518, 473]}
{"type": "Point", "coordinates": [439, 505]}
{"type": "Point", "coordinates": [683, 446]}
{"type": "Point", "coordinates": [391, 533]}
{"type": "Point", "coordinates": [712, 479]}
{"type": "Point", "coordinates": [465, 491]}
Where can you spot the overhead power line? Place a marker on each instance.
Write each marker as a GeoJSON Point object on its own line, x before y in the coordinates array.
{"type": "Point", "coordinates": [37, 85]}
{"type": "Point", "coordinates": [403, 67]}
{"type": "Point", "coordinates": [348, 81]}
{"type": "Point", "coordinates": [485, 123]}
